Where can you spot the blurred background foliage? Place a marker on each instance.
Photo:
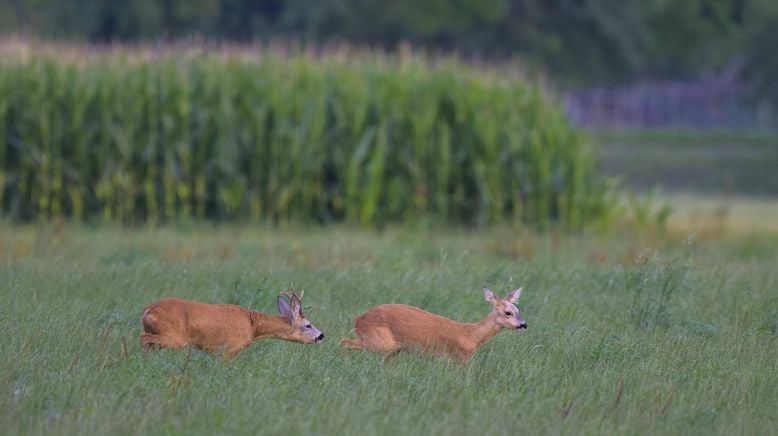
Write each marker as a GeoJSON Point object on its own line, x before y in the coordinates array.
{"type": "Point", "coordinates": [578, 42]}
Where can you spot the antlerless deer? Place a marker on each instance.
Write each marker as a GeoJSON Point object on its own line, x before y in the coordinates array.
{"type": "Point", "coordinates": [391, 328]}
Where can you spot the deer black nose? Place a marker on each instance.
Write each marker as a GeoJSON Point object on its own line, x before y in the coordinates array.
{"type": "Point", "coordinates": [522, 326]}
{"type": "Point", "coordinates": [320, 338]}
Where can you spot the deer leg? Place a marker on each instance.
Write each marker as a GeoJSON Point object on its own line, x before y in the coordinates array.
{"type": "Point", "coordinates": [390, 356]}
{"type": "Point", "coordinates": [149, 341]}
{"type": "Point", "coordinates": [232, 352]}
{"type": "Point", "coordinates": [351, 344]}
{"type": "Point", "coordinates": [463, 356]}
{"type": "Point", "coordinates": [379, 340]}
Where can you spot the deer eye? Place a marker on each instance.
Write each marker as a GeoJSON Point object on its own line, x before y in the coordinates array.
{"type": "Point", "coordinates": [508, 313]}
{"type": "Point", "coordinates": [308, 326]}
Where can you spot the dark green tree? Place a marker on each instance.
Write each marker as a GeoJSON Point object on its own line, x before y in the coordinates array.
{"type": "Point", "coordinates": [579, 42]}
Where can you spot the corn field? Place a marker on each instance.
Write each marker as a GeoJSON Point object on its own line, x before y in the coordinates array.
{"type": "Point", "coordinates": [133, 139]}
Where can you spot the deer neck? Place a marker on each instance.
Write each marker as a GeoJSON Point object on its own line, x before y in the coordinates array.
{"type": "Point", "coordinates": [483, 331]}
{"type": "Point", "coordinates": [270, 326]}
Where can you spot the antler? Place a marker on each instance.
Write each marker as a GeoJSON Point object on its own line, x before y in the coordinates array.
{"type": "Point", "coordinates": [291, 293]}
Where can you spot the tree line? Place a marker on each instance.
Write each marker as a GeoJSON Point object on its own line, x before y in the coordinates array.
{"type": "Point", "coordinates": [577, 42]}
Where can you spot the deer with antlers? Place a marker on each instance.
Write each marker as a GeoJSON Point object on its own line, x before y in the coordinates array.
{"type": "Point", "coordinates": [177, 323]}
{"type": "Point", "coordinates": [391, 328]}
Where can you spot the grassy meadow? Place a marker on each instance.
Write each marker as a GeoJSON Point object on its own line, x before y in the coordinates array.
{"type": "Point", "coordinates": [627, 334]}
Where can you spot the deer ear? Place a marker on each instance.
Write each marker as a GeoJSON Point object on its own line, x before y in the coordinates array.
{"type": "Point", "coordinates": [514, 295]}
{"type": "Point", "coordinates": [283, 306]}
{"type": "Point", "coordinates": [489, 296]}
{"type": "Point", "coordinates": [297, 309]}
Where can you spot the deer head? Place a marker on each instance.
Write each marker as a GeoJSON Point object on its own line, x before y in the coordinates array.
{"type": "Point", "coordinates": [290, 306]}
{"type": "Point", "coordinates": [504, 311]}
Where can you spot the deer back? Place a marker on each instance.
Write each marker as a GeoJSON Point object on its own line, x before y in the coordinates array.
{"type": "Point", "coordinates": [410, 325]}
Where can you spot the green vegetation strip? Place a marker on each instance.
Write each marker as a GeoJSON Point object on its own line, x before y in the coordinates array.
{"type": "Point", "coordinates": [130, 137]}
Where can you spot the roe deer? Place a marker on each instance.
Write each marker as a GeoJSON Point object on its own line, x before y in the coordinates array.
{"type": "Point", "coordinates": [176, 323]}
{"type": "Point", "coordinates": [390, 328]}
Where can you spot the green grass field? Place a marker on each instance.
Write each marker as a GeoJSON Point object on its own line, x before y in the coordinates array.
{"type": "Point", "coordinates": [712, 163]}
{"type": "Point", "coordinates": [627, 335]}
